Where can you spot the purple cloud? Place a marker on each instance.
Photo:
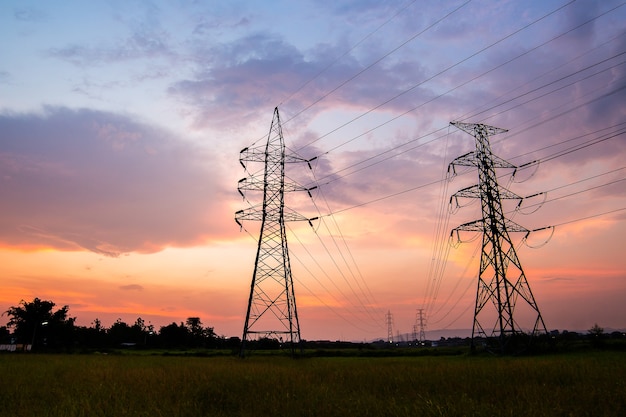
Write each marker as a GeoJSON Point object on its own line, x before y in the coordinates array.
{"type": "Point", "coordinates": [139, 45]}
{"type": "Point", "coordinates": [138, 34]}
{"type": "Point", "coordinates": [236, 83]}
{"type": "Point", "coordinates": [105, 183]}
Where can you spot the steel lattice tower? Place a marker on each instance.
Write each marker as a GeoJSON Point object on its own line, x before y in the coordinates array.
{"type": "Point", "coordinates": [420, 323]}
{"type": "Point", "coordinates": [271, 309]}
{"type": "Point", "coordinates": [501, 279]}
{"type": "Point", "coordinates": [389, 320]}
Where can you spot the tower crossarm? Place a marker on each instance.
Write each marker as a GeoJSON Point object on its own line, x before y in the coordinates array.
{"type": "Point", "coordinates": [258, 184]}
{"type": "Point", "coordinates": [260, 153]}
{"type": "Point", "coordinates": [481, 226]}
{"type": "Point", "coordinates": [475, 129]}
{"type": "Point", "coordinates": [256, 214]}
{"type": "Point", "coordinates": [471, 159]}
{"type": "Point", "coordinates": [473, 191]}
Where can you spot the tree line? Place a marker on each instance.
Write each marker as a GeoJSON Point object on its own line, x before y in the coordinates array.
{"type": "Point", "coordinates": [38, 324]}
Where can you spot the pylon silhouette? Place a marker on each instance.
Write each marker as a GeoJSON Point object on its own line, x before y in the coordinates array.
{"type": "Point", "coordinates": [419, 319]}
{"type": "Point", "coordinates": [389, 320]}
{"type": "Point", "coordinates": [271, 311]}
{"type": "Point", "coordinates": [501, 279]}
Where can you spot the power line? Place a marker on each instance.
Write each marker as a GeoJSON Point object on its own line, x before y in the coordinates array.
{"type": "Point", "coordinates": [473, 116]}
{"type": "Point", "coordinates": [371, 158]}
{"type": "Point", "coordinates": [438, 74]}
{"type": "Point", "coordinates": [362, 70]}
{"type": "Point", "coordinates": [397, 147]}
{"type": "Point", "coordinates": [458, 86]}
{"type": "Point", "coordinates": [592, 216]}
{"type": "Point", "coordinates": [549, 84]}
{"type": "Point", "coordinates": [327, 291]}
{"type": "Point", "coordinates": [369, 299]}
{"type": "Point", "coordinates": [367, 68]}
{"type": "Point", "coordinates": [310, 80]}
{"type": "Point", "coordinates": [587, 144]}
{"type": "Point", "coordinates": [577, 192]}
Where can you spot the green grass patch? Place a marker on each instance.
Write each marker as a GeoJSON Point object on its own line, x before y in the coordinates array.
{"type": "Point", "coordinates": [580, 384]}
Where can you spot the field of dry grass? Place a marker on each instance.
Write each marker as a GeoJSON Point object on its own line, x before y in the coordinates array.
{"type": "Point", "coordinates": [580, 384]}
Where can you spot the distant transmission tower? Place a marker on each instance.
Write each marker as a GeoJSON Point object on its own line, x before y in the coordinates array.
{"type": "Point", "coordinates": [501, 279]}
{"type": "Point", "coordinates": [389, 319]}
{"type": "Point", "coordinates": [420, 324]}
{"type": "Point", "coordinates": [271, 309]}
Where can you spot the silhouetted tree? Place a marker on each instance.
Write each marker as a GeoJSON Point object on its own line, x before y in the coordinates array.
{"type": "Point", "coordinates": [596, 331]}
{"type": "Point", "coordinates": [195, 331]}
{"type": "Point", "coordinates": [140, 325]}
{"type": "Point", "coordinates": [35, 323]}
{"type": "Point", "coordinates": [210, 337]}
{"type": "Point", "coordinates": [173, 335]}
{"type": "Point", "coordinates": [5, 335]}
{"type": "Point", "coordinates": [92, 337]}
{"type": "Point", "coordinates": [198, 335]}
{"type": "Point", "coordinates": [596, 334]}
{"type": "Point", "coordinates": [121, 333]}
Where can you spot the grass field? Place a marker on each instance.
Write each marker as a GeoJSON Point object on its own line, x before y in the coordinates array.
{"type": "Point", "coordinates": [577, 384]}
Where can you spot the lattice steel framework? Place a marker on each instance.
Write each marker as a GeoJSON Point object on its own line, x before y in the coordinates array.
{"type": "Point", "coordinates": [389, 320]}
{"type": "Point", "coordinates": [420, 324]}
{"type": "Point", "coordinates": [271, 308]}
{"type": "Point", "coordinates": [501, 279]}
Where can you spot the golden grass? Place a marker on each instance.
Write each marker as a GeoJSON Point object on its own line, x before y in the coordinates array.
{"type": "Point", "coordinates": [582, 384]}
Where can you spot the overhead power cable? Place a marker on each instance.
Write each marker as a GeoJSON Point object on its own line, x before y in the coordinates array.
{"type": "Point", "coordinates": [353, 47]}
{"type": "Point", "coordinates": [455, 88]}
{"type": "Point", "coordinates": [327, 291]}
{"type": "Point", "coordinates": [484, 73]}
{"type": "Point", "coordinates": [370, 66]}
{"type": "Point", "coordinates": [439, 73]}
{"type": "Point", "coordinates": [364, 69]}
{"type": "Point", "coordinates": [587, 144]}
{"type": "Point", "coordinates": [592, 216]}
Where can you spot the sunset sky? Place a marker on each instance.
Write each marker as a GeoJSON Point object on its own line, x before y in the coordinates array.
{"type": "Point", "coordinates": [121, 124]}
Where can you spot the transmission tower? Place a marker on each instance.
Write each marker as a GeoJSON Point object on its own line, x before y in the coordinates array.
{"type": "Point", "coordinates": [501, 279]}
{"type": "Point", "coordinates": [271, 309]}
{"type": "Point", "coordinates": [389, 319]}
{"type": "Point", "coordinates": [420, 324]}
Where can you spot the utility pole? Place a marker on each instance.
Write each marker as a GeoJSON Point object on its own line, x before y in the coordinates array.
{"type": "Point", "coordinates": [501, 279]}
{"type": "Point", "coordinates": [271, 311]}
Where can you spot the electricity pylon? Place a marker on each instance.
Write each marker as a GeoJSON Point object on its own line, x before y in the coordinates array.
{"type": "Point", "coordinates": [420, 323]}
{"type": "Point", "coordinates": [271, 311]}
{"type": "Point", "coordinates": [389, 319]}
{"type": "Point", "coordinates": [501, 279]}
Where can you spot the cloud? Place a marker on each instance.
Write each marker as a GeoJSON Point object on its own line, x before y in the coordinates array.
{"type": "Point", "coordinates": [139, 45]}
{"type": "Point", "coordinates": [29, 14]}
{"type": "Point", "coordinates": [103, 182]}
{"type": "Point", "coordinates": [236, 82]}
{"type": "Point", "coordinates": [131, 287]}
{"type": "Point", "coordinates": [139, 35]}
